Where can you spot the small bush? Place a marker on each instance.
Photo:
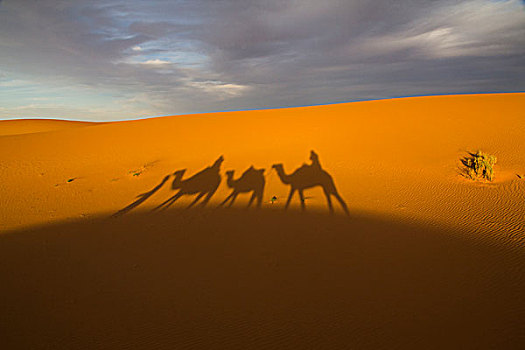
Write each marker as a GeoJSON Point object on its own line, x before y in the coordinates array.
{"type": "Point", "coordinates": [479, 165]}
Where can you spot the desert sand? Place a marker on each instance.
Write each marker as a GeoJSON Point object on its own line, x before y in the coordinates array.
{"type": "Point", "coordinates": [30, 126]}
{"type": "Point", "coordinates": [426, 258]}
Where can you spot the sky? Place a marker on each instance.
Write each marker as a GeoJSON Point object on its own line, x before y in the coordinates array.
{"type": "Point", "coordinates": [128, 59]}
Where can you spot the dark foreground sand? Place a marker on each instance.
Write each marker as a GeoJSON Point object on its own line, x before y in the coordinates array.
{"type": "Point", "coordinates": [236, 279]}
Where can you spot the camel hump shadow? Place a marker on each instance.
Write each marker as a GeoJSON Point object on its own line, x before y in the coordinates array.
{"type": "Point", "coordinates": [308, 176]}
{"type": "Point", "coordinates": [203, 183]}
{"type": "Point", "coordinates": [252, 180]}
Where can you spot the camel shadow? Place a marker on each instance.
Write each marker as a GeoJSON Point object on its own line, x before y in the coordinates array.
{"type": "Point", "coordinates": [252, 180]}
{"type": "Point", "coordinates": [308, 176]}
{"type": "Point", "coordinates": [141, 198]}
{"type": "Point", "coordinates": [204, 183]}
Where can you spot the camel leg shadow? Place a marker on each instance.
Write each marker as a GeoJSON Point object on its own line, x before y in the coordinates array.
{"type": "Point", "coordinates": [167, 203]}
{"type": "Point", "coordinates": [230, 198]}
{"type": "Point", "coordinates": [208, 197]}
{"type": "Point", "coordinates": [301, 196]}
{"type": "Point", "coordinates": [342, 202]}
{"type": "Point", "coordinates": [292, 191]}
{"type": "Point", "coordinates": [339, 199]}
{"type": "Point", "coordinates": [290, 196]}
{"type": "Point", "coordinates": [329, 201]}
{"type": "Point", "coordinates": [141, 198]}
{"type": "Point", "coordinates": [199, 196]}
{"type": "Point", "coordinates": [252, 198]}
{"type": "Point", "coordinates": [259, 200]}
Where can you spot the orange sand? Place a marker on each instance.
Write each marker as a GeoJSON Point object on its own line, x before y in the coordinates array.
{"type": "Point", "coordinates": [427, 259]}
{"type": "Point", "coordinates": [30, 126]}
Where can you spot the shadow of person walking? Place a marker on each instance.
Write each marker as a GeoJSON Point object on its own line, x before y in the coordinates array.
{"type": "Point", "coordinates": [204, 183]}
{"type": "Point", "coordinates": [252, 180]}
{"type": "Point", "coordinates": [141, 198]}
{"type": "Point", "coordinates": [308, 176]}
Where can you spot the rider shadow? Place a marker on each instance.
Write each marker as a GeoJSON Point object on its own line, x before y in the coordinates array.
{"type": "Point", "coordinates": [204, 183]}
{"type": "Point", "coordinates": [141, 198]}
{"type": "Point", "coordinates": [252, 180]}
{"type": "Point", "coordinates": [308, 176]}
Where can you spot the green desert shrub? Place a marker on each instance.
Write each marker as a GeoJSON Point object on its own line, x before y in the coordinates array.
{"type": "Point", "coordinates": [479, 165]}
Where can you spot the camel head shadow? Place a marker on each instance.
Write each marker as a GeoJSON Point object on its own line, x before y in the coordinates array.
{"type": "Point", "coordinates": [177, 179]}
{"type": "Point", "coordinates": [252, 180]}
{"type": "Point", "coordinates": [308, 176]}
{"type": "Point", "coordinates": [203, 184]}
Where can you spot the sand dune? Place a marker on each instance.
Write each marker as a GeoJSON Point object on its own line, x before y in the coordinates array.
{"type": "Point", "coordinates": [394, 157]}
{"type": "Point", "coordinates": [426, 259]}
{"type": "Point", "coordinates": [30, 126]}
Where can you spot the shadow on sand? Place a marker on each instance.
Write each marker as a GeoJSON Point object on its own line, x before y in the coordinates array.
{"type": "Point", "coordinates": [308, 176]}
{"type": "Point", "coordinates": [141, 198]}
{"type": "Point", "coordinates": [260, 279]}
{"type": "Point", "coordinates": [251, 181]}
{"type": "Point", "coordinates": [206, 182]}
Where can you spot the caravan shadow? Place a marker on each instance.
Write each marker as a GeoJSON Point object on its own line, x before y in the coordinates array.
{"type": "Point", "coordinates": [308, 176]}
{"type": "Point", "coordinates": [252, 180]}
{"type": "Point", "coordinates": [204, 183]}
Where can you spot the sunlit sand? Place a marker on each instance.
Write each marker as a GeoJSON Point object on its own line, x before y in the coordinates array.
{"type": "Point", "coordinates": [390, 246]}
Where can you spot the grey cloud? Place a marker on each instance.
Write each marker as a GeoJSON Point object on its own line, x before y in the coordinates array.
{"type": "Point", "coordinates": [258, 54]}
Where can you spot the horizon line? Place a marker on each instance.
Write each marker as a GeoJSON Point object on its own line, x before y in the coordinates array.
{"type": "Point", "coordinates": [274, 108]}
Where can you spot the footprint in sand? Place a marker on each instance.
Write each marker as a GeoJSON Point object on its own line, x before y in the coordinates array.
{"type": "Point", "coordinates": [67, 181]}
{"type": "Point", "coordinates": [137, 172]}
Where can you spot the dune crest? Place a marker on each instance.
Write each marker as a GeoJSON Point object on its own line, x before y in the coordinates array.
{"type": "Point", "coordinates": [31, 126]}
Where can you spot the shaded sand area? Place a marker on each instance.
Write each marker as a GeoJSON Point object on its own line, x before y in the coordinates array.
{"type": "Point", "coordinates": [231, 279]}
{"type": "Point", "coordinates": [426, 258]}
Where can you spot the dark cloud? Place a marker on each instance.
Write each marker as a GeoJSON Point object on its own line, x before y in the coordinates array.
{"type": "Point", "coordinates": [171, 57]}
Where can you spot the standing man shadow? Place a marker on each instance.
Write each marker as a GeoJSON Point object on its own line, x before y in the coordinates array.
{"type": "Point", "coordinates": [204, 183]}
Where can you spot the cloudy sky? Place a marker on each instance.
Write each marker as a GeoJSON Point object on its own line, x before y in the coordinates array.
{"type": "Point", "coordinates": [127, 59]}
